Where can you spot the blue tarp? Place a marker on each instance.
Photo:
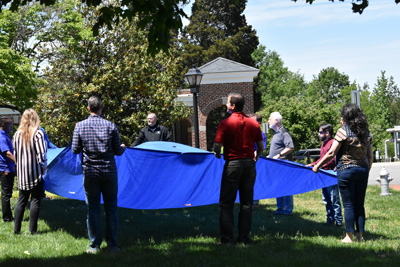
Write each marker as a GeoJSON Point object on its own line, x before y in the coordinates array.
{"type": "Point", "coordinates": [159, 175]}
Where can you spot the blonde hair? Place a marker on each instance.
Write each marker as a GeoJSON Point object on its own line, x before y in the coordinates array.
{"type": "Point", "coordinates": [29, 125]}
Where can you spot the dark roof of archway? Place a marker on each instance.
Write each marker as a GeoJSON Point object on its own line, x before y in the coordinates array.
{"type": "Point", "coordinates": [221, 64]}
{"type": "Point", "coordinates": [8, 106]}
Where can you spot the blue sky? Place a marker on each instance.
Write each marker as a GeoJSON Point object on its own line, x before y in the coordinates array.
{"type": "Point", "coordinates": [312, 37]}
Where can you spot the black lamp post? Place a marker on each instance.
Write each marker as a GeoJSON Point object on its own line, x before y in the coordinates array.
{"type": "Point", "coordinates": [194, 76]}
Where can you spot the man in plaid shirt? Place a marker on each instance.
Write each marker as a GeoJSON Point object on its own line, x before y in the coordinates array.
{"type": "Point", "coordinates": [98, 140]}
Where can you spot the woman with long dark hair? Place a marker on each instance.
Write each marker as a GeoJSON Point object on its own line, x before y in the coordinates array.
{"type": "Point", "coordinates": [353, 149]}
{"type": "Point", "coordinates": [30, 156]}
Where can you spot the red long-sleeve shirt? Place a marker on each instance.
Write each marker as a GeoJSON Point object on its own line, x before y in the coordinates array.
{"type": "Point", "coordinates": [326, 145]}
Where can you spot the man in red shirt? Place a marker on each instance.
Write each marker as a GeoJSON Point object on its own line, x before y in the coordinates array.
{"type": "Point", "coordinates": [237, 134]}
{"type": "Point", "coordinates": [330, 194]}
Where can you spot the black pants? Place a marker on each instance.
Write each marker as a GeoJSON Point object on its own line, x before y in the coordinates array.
{"type": "Point", "coordinates": [7, 183]}
{"type": "Point", "coordinates": [36, 197]}
{"type": "Point", "coordinates": [238, 175]}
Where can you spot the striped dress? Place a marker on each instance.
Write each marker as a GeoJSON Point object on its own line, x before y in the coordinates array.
{"type": "Point", "coordinates": [31, 162]}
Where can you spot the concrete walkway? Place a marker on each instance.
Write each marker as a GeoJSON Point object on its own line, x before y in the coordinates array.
{"type": "Point", "coordinates": [394, 171]}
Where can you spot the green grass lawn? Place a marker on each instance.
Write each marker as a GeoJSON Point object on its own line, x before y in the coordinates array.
{"type": "Point", "coordinates": [187, 237]}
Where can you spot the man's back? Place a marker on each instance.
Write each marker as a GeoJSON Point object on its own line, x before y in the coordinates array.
{"type": "Point", "coordinates": [99, 141]}
{"type": "Point", "coordinates": [238, 133]}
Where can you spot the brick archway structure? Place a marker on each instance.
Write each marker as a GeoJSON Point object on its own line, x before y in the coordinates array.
{"type": "Point", "coordinates": [220, 77]}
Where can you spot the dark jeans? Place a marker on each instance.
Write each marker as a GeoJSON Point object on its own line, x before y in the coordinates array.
{"type": "Point", "coordinates": [95, 186]}
{"type": "Point", "coordinates": [7, 183]}
{"type": "Point", "coordinates": [36, 195]}
{"type": "Point", "coordinates": [353, 185]}
{"type": "Point", "coordinates": [238, 174]}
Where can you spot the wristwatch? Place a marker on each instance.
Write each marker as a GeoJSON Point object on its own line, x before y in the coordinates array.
{"type": "Point", "coordinates": [280, 154]}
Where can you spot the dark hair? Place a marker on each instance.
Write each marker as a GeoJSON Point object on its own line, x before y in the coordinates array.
{"type": "Point", "coordinates": [258, 117]}
{"type": "Point", "coordinates": [327, 127]}
{"type": "Point", "coordinates": [237, 100]}
{"type": "Point", "coordinates": [94, 103]}
{"type": "Point", "coordinates": [354, 117]}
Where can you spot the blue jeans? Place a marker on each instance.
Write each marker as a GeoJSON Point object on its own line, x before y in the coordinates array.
{"type": "Point", "coordinates": [353, 185]}
{"type": "Point", "coordinates": [284, 205]}
{"type": "Point", "coordinates": [238, 174]}
{"type": "Point", "coordinates": [331, 198]}
{"type": "Point", "coordinates": [95, 186]}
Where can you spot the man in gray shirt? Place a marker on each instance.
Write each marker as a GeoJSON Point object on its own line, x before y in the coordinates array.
{"type": "Point", "coordinates": [281, 148]}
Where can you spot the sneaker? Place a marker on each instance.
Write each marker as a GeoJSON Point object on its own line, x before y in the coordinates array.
{"type": "Point", "coordinates": [278, 212]}
{"type": "Point", "coordinates": [8, 220]}
{"type": "Point", "coordinates": [287, 213]}
{"type": "Point", "coordinates": [94, 250]}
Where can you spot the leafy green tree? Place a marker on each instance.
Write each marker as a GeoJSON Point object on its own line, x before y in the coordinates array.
{"type": "Point", "coordinates": [329, 84]}
{"type": "Point", "coordinates": [28, 38]}
{"type": "Point", "coordinates": [384, 109]}
{"type": "Point", "coordinates": [17, 80]}
{"type": "Point", "coordinates": [25, 29]}
{"type": "Point", "coordinates": [302, 117]}
{"type": "Point", "coordinates": [115, 66]}
{"type": "Point", "coordinates": [218, 29]}
{"type": "Point", "coordinates": [157, 17]}
{"type": "Point", "coordinates": [274, 79]}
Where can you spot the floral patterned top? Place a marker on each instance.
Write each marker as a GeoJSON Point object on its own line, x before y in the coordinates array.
{"type": "Point", "coordinates": [352, 152]}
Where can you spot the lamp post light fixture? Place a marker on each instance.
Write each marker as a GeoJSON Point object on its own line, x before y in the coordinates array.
{"type": "Point", "coordinates": [193, 77]}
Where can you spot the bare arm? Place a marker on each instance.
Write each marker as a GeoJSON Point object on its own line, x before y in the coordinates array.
{"type": "Point", "coordinates": [10, 156]}
{"type": "Point", "coordinates": [328, 156]}
{"type": "Point", "coordinates": [284, 152]}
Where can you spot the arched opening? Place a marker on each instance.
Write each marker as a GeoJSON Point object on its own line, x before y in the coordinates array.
{"type": "Point", "coordinates": [213, 120]}
{"type": "Point", "coordinates": [183, 132]}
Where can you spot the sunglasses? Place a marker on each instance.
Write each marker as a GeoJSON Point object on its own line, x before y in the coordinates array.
{"type": "Point", "coordinates": [321, 132]}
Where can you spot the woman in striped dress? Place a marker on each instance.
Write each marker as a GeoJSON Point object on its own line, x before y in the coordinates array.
{"type": "Point", "coordinates": [31, 162]}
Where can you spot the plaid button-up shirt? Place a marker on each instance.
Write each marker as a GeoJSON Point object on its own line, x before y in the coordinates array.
{"type": "Point", "coordinates": [99, 141]}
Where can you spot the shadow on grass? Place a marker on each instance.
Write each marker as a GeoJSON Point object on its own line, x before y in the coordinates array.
{"type": "Point", "coordinates": [147, 226]}
{"type": "Point", "coordinates": [187, 237]}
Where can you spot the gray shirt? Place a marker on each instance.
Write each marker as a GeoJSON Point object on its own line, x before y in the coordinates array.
{"type": "Point", "coordinates": [281, 140]}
